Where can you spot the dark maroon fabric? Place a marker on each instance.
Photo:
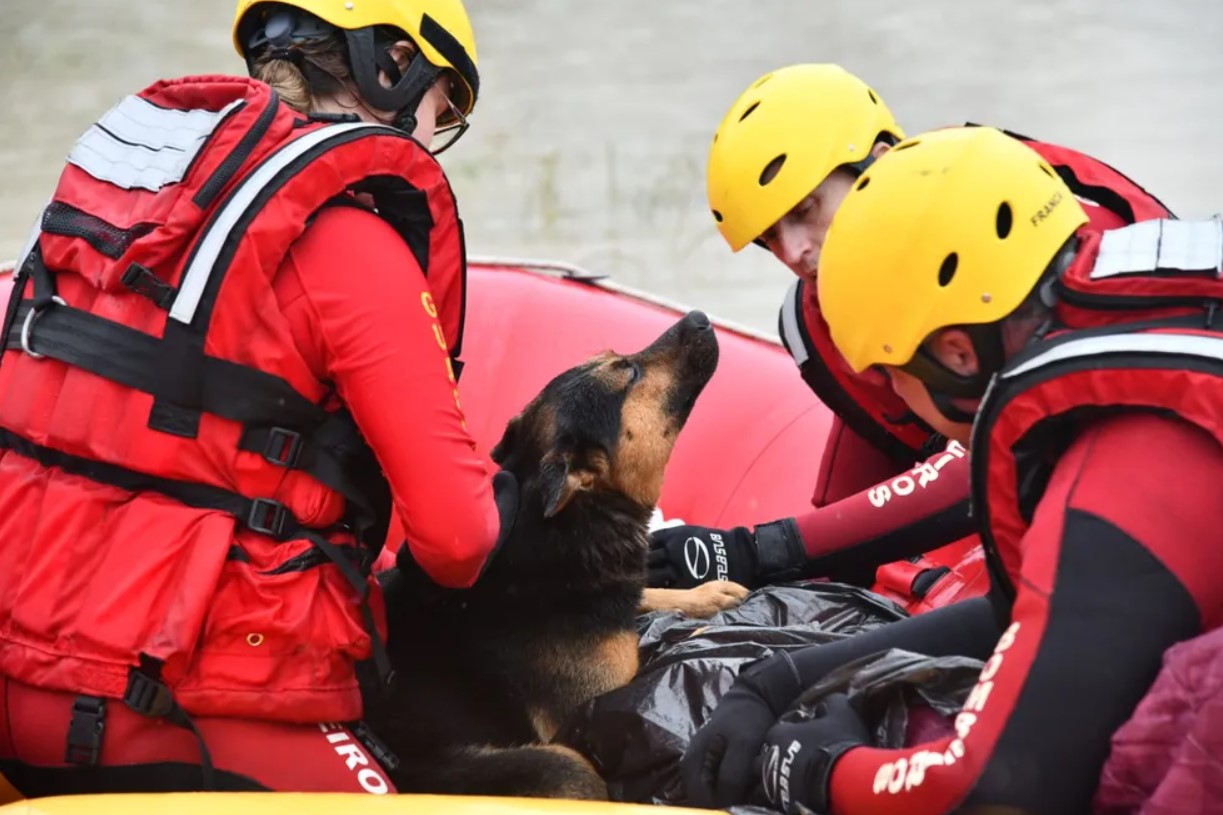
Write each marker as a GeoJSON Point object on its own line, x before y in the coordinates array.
{"type": "Point", "coordinates": [1168, 758]}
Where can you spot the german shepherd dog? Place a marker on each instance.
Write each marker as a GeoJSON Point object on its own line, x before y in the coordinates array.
{"type": "Point", "coordinates": [485, 676]}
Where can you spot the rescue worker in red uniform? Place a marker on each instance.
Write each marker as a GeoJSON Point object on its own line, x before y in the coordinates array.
{"type": "Point", "coordinates": [1090, 364]}
{"type": "Point", "coordinates": [231, 354]}
{"type": "Point", "coordinates": [890, 489]}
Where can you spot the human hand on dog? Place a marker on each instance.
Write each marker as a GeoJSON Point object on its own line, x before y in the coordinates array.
{"type": "Point", "coordinates": [799, 754]}
{"type": "Point", "coordinates": [411, 577]}
{"type": "Point", "coordinates": [686, 556]}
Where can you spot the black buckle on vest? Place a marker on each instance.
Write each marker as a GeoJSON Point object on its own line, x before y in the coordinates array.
{"type": "Point", "coordinates": [143, 282]}
{"type": "Point", "coordinates": [85, 731]}
{"type": "Point", "coordinates": [376, 747]}
{"type": "Point", "coordinates": [283, 447]}
{"type": "Point", "coordinates": [147, 696]}
{"type": "Point", "coordinates": [268, 517]}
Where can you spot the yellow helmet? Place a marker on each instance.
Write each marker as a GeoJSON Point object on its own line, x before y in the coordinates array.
{"type": "Point", "coordinates": [441, 30]}
{"type": "Point", "coordinates": [782, 137]}
{"type": "Point", "coordinates": [951, 227]}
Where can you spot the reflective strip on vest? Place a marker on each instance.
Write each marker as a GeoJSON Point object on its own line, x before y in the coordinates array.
{"type": "Point", "coordinates": [1187, 246]}
{"type": "Point", "coordinates": [1170, 344]}
{"type": "Point", "coordinates": [195, 279]}
{"type": "Point", "coordinates": [791, 314]}
{"type": "Point", "coordinates": [138, 145]}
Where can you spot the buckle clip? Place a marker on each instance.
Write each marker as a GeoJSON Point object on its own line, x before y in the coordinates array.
{"type": "Point", "coordinates": [268, 517]}
{"type": "Point", "coordinates": [142, 281]}
{"type": "Point", "coordinates": [283, 447]}
{"type": "Point", "coordinates": [85, 731]}
{"type": "Point", "coordinates": [376, 747]}
{"type": "Point", "coordinates": [147, 696]}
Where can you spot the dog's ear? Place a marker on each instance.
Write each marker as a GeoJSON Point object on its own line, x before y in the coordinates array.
{"type": "Point", "coordinates": [501, 451]}
{"type": "Point", "coordinates": [560, 479]}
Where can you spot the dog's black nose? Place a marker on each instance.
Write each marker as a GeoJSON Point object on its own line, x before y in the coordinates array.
{"type": "Point", "coordinates": [698, 319]}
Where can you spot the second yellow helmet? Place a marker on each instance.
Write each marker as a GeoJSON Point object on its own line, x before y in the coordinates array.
{"type": "Point", "coordinates": [782, 137]}
{"type": "Point", "coordinates": [951, 227]}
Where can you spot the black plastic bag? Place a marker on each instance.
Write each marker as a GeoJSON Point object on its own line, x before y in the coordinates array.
{"type": "Point", "coordinates": [636, 735]}
{"type": "Point", "coordinates": [905, 698]}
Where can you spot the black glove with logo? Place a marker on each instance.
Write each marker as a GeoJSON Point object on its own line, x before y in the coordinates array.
{"type": "Point", "coordinates": [685, 556]}
{"type": "Point", "coordinates": [799, 753]}
{"type": "Point", "coordinates": [720, 767]}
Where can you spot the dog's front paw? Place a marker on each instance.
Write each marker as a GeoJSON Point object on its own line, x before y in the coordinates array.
{"type": "Point", "coordinates": [708, 599]}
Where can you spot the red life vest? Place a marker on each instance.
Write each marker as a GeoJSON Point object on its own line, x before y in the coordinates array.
{"type": "Point", "coordinates": [876, 414]}
{"type": "Point", "coordinates": [870, 408]}
{"type": "Point", "coordinates": [146, 363]}
{"type": "Point", "coordinates": [1138, 331]}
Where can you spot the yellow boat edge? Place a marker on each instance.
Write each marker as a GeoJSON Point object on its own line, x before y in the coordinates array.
{"type": "Point", "coordinates": [318, 803]}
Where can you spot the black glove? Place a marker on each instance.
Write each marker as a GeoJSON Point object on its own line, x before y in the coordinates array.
{"type": "Point", "coordinates": [685, 556]}
{"type": "Point", "coordinates": [799, 754]}
{"type": "Point", "coordinates": [718, 768]}
{"type": "Point", "coordinates": [506, 497]}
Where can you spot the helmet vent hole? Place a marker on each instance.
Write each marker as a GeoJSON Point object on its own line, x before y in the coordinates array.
{"type": "Point", "coordinates": [871, 94]}
{"type": "Point", "coordinates": [862, 182]}
{"type": "Point", "coordinates": [1004, 220]}
{"type": "Point", "coordinates": [717, 216]}
{"type": "Point", "coordinates": [906, 145]}
{"type": "Point", "coordinates": [772, 169]}
{"type": "Point", "coordinates": [947, 271]}
{"type": "Point", "coordinates": [762, 80]}
{"type": "Point", "coordinates": [749, 111]}
{"type": "Point", "coordinates": [1048, 170]}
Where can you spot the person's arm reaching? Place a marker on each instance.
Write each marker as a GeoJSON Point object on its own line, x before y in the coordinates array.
{"type": "Point", "coordinates": [372, 316]}
{"type": "Point", "coordinates": [717, 767]}
{"type": "Point", "coordinates": [1114, 572]}
{"type": "Point", "coordinates": [912, 513]}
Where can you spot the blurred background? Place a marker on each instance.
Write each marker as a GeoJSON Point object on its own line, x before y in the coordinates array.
{"type": "Point", "coordinates": [590, 137]}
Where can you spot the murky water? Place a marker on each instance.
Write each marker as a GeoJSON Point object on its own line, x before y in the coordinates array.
{"type": "Point", "coordinates": [590, 138]}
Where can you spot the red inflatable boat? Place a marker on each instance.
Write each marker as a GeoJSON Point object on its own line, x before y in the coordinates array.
{"type": "Point", "coordinates": [752, 448]}
{"type": "Point", "coordinates": [528, 321]}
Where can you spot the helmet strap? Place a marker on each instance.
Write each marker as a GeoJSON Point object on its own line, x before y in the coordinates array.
{"type": "Point", "coordinates": [944, 384]}
{"type": "Point", "coordinates": [944, 405]}
{"type": "Point", "coordinates": [367, 55]}
{"type": "Point", "coordinates": [860, 167]}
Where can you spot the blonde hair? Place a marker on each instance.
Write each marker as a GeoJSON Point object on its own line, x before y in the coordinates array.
{"type": "Point", "coordinates": [315, 69]}
{"type": "Point", "coordinates": [306, 71]}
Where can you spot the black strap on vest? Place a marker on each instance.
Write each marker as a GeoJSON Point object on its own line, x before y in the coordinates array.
{"type": "Point", "coordinates": [279, 423]}
{"type": "Point", "coordinates": [181, 358]}
{"type": "Point", "coordinates": [145, 694]}
{"type": "Point", "coordinates": [262, 515]}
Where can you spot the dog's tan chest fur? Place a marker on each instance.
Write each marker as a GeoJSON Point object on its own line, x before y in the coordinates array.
{"type": "Point", "coordinates": [577, 672]}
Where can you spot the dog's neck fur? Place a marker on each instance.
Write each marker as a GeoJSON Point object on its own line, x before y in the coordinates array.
{"type": "Point", "coordinates": [598, 539]}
